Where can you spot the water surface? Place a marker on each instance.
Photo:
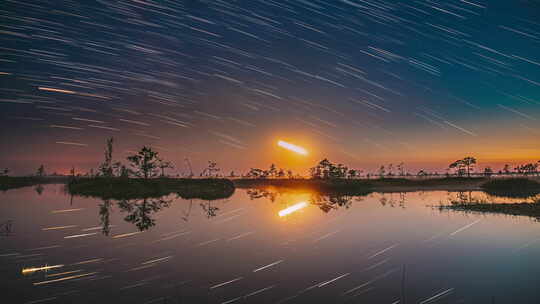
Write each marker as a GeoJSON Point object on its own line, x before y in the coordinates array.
{"type": "Point", "coordinates": [263, 247]}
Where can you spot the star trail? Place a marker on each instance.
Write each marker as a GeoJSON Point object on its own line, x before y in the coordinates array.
{"type": "Point", "coordinates": [363, 82]}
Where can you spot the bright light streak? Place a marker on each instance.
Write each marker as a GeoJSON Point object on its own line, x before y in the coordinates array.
{"type": "Point", "coordinates": [43, 268]}
{"type": "Point", "coordinates": [292, 147]}
{"type": "Point", "coordinates": [293, 208]}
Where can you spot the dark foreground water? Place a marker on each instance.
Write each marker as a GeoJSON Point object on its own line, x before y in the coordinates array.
{"type": "Point", "coordinates": [263, 247]}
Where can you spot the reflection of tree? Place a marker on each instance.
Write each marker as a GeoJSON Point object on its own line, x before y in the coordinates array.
{"type": "Point", "coordinates": [402, 199]}
{"type": "Point", "coordinates": [332, 201]}
{"type": "Point", "coordinates": [140, 211]}
{"type": "Point", "coordinates": [104, 214]}
{"type": "Point", "coordinates": [6, 228]}
{"type": "Point", "coordinates": [463, 198]}
{"type": "Point", "coordinates": [188, 212]}
{"type": "Point", "coordinates": [392, 202]}
{"type": "Point", "coordinates": [325, 202]}
{"type": "Point", "coordinates": [209, 210]}
{"type": "Point", "coordinates": [39, 189]}
{"type": "Point", "coordinates": [260, 193]}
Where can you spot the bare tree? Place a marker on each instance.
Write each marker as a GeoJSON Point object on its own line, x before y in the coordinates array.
{"type": "Point", "coordinates": [164, 165]}
{"type": "Point", "coordinates": [106, 168]}
{"type": "Point", "coordinates": [401, 169]}
{"type": "Point", "coordinates": [41, 171]}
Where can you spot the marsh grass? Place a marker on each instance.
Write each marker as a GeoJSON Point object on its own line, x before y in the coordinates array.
{"type": "Point", "coordinates": [515, 209]}
{"type": "Point", "coordinates": [365, 186]}
{"type": "Point", "coordinates": [512, 187]}
{"type": "Point", "coordinates": [14, 182]}
{"type": "Point", "coordinates": [427, 181]}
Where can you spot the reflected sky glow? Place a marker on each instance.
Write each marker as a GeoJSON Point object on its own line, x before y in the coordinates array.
{"type": "Point", "coordinates": [340, 247]}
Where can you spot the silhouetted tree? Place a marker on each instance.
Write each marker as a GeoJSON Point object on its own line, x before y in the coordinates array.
{"type": "Point", "coordinates": [272, 171]}
{"type": "Point", "coordinates": [41, 171]}
{"type": "Point", "coordinates": [164, 165]}
{"type": "Point", "coordinates": [488, 171]}
{"type": "Point", "coordinates": [256, 173]}
{"type": "Point", "coordinates": [327, 170]}
{"type": "Point", "coordinates": [144, 163]}
{"type": "Point", "coordinates": [464, 165]}
{"type": "Point", "coordinates": [212, 169]}
{"type": "Point", "coordinates": [506, 169]}
{"type": "Point", "coordinates": [528, 169]}
{"type": "Point", "coordinates": [106, 168]}
{"type": "Point", "coordinates": [390, 170]}
{"type": "Point", "coordinates": [382, 171]}
{"type": "Point", "coordinates": [120, 170]}
{"type": "Point", "coordinates": [290, 174]}
{"type": "Point", "coordinates": [401, 169]}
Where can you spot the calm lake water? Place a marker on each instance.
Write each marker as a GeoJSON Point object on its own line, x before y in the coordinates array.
{"type": "Point", "coordinates": [263, 247]}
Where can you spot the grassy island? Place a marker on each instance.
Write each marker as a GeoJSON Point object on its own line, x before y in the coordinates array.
{"type": "Point", "coordinates": [14, 182]}
{"type": "Point", "coordinates": [132, 188]}
{"type": "Point", "coordinates": [522, 209]}
{"type": "Point", "coordinates": [512, 187]}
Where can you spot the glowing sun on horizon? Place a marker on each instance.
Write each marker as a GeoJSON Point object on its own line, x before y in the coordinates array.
{"type": "Point", "coordinates": [293, 148]}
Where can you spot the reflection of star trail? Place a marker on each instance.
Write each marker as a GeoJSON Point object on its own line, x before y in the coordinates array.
{"type": "Point", "coordinates": [292, 209]}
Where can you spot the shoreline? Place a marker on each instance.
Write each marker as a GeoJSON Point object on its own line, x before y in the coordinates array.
{"type": "Point", "coordinates": [131, 187]}
{"type": "Point", "coordinates": [373, 185]}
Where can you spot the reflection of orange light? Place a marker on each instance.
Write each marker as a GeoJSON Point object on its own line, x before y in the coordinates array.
{"type": "Point", "coordinates": [292, 209]}
{"type": "Point", "coordinates": [292, 147]}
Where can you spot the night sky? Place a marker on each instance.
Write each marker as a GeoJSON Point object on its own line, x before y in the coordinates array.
{"type": "Point", "coordinates": [361, 82]}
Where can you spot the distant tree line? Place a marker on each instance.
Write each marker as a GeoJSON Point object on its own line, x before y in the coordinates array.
{"type": "Point", "coordinates": [272, 172]}
{"type": "Point", "coordinates": [325, 169]}
{"type": "Point", "coordinates": [147, 163]}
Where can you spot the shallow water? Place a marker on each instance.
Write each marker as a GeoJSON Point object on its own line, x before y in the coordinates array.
{"type": "Point", "coordinates": [263, 247]}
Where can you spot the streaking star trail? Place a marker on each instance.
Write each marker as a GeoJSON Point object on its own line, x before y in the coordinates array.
{"type": "Point", "coordinates": [292, 147]}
